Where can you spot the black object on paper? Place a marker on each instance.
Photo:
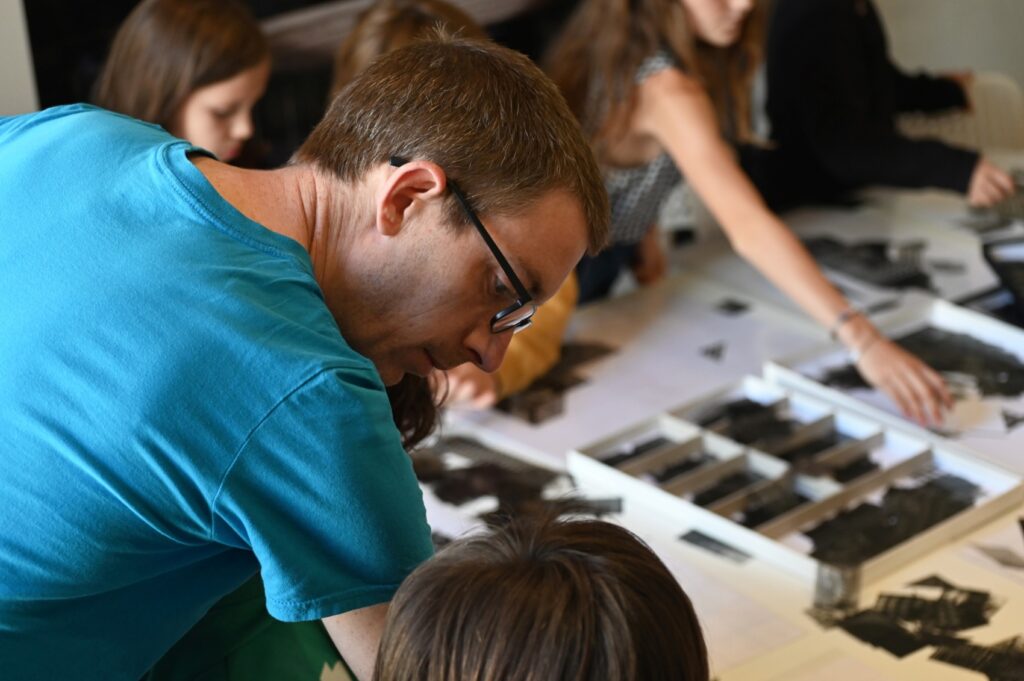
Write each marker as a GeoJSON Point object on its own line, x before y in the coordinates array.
{"type": "Point", "coordinates": [882, 631]}
{"type": "Point", "coordinates": [714, 351]}
{"type": "Point", "coordinates": [748, 422]}
{"type": "Point", "coordinates": [732, 307]}
{"type": "Point", "coordinates": [544, 398]}
{"type": "Point", "coordinates": [853, 536]}
{"type": "Point", "coordinates": [903, 623]}
{"type": "Point", "coordinates": [877, 262]}
{"type": "Point", "coordinates": [1004, 256]}
{"type": "Point", "coordinates": [517, 485]}
{"type": "Point", "coordinates": [720, 548]}
{"type": "Point", "coordinates": [1003, 661]}
{"type": "Point", "coordinates": [1012, 419]}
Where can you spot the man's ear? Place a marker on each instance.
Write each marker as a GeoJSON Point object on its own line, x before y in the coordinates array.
{"type": "Point", "coordinates": [412, 182]}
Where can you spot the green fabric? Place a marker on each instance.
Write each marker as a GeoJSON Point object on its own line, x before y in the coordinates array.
{"type": "Point", "coordinates": [238, 640]}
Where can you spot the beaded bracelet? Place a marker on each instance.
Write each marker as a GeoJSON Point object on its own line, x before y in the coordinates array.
{"type": "Point", "coordinates": [844, 316]}
{"type": "Point", "coordinates": [856, 355]}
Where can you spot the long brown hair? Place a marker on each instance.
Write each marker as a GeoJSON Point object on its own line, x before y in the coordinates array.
{"type": "Point", "coordinates": [595, 60]}
{"type": "Point", "coordinates": [413, 409]}
{"type": "Point", "coordinates": [167, 49]}
{"type": "Point", "coordinates": [541, 598]}
{"type": "Point", "coordinates": [390, 24]}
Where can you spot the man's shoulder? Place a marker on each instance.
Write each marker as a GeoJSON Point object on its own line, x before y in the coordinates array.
{"type": "Point", "coordinates": [80, 142]}
{"type": "Point", "coordinates": [82, 118]}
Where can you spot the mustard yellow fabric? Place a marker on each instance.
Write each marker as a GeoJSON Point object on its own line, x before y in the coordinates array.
{"type": "Point", "coordinates": [534, 351]}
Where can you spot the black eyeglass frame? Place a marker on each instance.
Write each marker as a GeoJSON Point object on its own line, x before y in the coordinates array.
{"type": "Point", "coordinates": [523, 297]}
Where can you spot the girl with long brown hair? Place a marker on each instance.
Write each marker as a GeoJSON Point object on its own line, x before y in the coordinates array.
{"type": "Point", "coordinates": [661, 89]}
{"type": "Point", "coordinates": [195, 67]}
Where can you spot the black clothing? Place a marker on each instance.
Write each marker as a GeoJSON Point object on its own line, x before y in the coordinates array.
{"type": "Point", "coordinates": [833, 97]}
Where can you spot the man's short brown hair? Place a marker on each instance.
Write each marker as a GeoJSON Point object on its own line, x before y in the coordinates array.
{"type": "Point", "coordinates": [487, 115]}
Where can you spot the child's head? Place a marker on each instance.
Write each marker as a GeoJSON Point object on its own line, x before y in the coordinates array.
{"type": "Point", "coordinates": [391, 24]}
{"type": "Point", "coordinates": [196, 67]}
{"type": "Point", "coordinates": [543, 599]}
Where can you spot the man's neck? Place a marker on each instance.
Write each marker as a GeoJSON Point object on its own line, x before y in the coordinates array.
{"type": "Point", "coordinates": [319, 213]}
{"type": "Point", "coordinates": [276, 199]}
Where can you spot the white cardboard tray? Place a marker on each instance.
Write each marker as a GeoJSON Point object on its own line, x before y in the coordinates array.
{"type": "Point", "coordinates": [900, 451]}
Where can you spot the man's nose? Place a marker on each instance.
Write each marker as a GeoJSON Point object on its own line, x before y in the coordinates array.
{"type": "Point", "coordinates": [488, 348]}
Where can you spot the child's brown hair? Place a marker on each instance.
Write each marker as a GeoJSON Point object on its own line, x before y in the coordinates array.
{"type": "Point", "coordinates": [390, 24]}
{"type": "Point", "coordinates": [541, 598]}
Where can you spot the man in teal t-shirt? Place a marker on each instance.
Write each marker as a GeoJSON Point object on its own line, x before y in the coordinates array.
{"type": "Point", "coordinates": [193, 357]}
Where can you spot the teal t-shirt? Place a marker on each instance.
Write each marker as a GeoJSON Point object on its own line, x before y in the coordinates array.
{"type": "Point", "coordinates": [177, 410]}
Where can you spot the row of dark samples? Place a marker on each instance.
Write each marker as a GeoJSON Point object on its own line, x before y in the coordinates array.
{"type": "Point", "coordinates": [820, 481]}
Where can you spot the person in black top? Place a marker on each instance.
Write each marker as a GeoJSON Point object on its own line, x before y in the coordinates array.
{"type": "Point", "coordinates": [833, 98]}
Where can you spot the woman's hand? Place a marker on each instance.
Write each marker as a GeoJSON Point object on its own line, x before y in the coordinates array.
{"type": "Point", "coordinates": [468, 386]}
{"type": "Point", "coordinates": [989, 185]}
{"type": "Point", "coordinates": [918, 390]}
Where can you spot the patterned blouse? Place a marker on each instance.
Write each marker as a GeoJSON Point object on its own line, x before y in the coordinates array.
{"type": "Point", "coordinates": [636, 193]}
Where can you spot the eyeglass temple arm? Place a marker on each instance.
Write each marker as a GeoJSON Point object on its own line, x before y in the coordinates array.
{"type": "Point", "coordinates": [524, 295]}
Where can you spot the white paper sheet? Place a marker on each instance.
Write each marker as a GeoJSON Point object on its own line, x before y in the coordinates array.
{"type": "Point", "coordinates": [832, 667]}
{"type": "Point", "coordinates": [1006, 540]}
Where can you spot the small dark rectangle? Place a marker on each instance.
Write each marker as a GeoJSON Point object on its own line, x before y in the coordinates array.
{"type": "Point", "coordinates": [604, 506]}
{"type": "Point", "coordinates": [732, 307]}
{"type": "Point", "coordinates": [715, 546]}
{"type": "Point", "coordinates": [947, 266]}
{"type": "Point", "coordinates": [714, 352]}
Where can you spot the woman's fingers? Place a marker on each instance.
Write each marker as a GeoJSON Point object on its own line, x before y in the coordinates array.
{"type": "Point", "coordinates": [928, 401]}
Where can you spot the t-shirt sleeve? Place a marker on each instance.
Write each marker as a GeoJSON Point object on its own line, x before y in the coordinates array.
{"type": "Point", "coordinates": [325, 496]}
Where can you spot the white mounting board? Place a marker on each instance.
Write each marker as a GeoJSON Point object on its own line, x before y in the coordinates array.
{"type": "Point", "coordinates": [1000, 490]}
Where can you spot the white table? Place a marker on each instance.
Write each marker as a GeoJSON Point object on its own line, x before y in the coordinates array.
{"type": "Point", "coordinates": [753, 613]}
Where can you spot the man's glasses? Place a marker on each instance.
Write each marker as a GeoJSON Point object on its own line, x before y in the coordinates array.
{"type": "Point", "coordinates": [518, 315]}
